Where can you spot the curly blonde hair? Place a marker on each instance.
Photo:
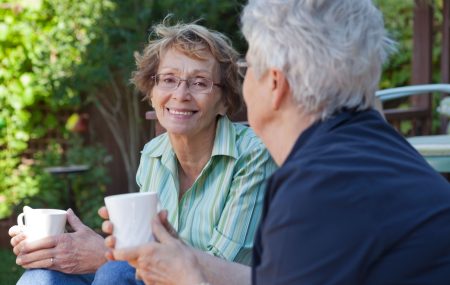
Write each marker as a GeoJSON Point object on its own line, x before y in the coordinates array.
{"type": "Point", "coordinates": [193, 40]}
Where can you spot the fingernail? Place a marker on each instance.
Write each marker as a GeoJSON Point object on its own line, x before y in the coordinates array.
{"type": "Point", "coordinates": [19, 261]}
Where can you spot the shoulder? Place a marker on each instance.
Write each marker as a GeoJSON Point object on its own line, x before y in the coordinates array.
{"type": "Point", "coordinates": [246, 139]}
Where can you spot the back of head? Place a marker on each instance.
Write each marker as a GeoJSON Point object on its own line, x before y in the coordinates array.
{"type": "Point", "coordinates": [331, 51]}
{"type": "Point", "coordinates": [197, 42]}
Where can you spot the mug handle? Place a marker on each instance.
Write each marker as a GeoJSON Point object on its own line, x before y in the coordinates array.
{"type": "Point", "coordinates": [20, 219]}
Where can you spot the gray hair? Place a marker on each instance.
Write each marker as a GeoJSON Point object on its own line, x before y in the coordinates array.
{"type": "Point", "coordinates": [331, 51]}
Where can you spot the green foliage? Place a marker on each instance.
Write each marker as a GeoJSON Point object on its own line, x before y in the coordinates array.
{"type": "Point", "coordinates": [10, 272]}
{"type": "Point", "coordinates": [41, 43]}
{"type": "Point", "coordinates": [88, 187]}
{"type": "Point", "coordinates": [398, 18]}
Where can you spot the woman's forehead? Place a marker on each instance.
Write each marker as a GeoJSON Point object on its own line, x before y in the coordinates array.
{"type": "Point", "coordinates": [176, 59]}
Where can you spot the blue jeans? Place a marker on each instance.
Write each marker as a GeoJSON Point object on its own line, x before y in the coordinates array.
{"type": "Point", "coordinates": [115, 272]}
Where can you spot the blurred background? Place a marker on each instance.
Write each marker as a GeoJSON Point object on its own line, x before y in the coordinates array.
{"type": "Point", "coordinates": [66, 100]}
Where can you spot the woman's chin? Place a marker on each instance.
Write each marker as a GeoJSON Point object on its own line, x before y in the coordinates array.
{"type": "Point", "coordinates": [179, 130]}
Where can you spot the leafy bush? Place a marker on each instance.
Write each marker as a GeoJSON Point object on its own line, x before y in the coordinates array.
{"type": "Point", "coordinates": [38, 52]}
{"type": "Point", "coordinates": [51, 191]}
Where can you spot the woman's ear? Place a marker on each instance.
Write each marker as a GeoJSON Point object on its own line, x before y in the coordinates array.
{"type": "Point", "coordinates": [223, 109]}
{"type": "Point", "coordinates": [149, 98]}
{"type": "Point", "coordinates": [280, 88]}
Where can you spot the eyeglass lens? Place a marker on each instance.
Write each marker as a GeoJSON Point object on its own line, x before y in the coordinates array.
{"type": "Point", "coordinates": [195, 84]}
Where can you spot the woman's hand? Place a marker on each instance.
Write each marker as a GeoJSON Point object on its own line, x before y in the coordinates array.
{"type": "Point", "coordinates": [168, 261]}
{"type": "Point", "coordinates": [78, 252]}
{"type": "Point", "coordinates": [107, 228]}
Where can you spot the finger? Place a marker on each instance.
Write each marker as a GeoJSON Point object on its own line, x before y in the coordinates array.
{"type": "Point", "coordinates": [41, 244]}
{"type": "Point", "coordinates": [109, 255]}
{"type": "Point", "coordinates": [128, 254]}
{"type": "Point", "coordinates": [14, 230]}
{"type": "Point", "coordinates": [160, 232]}
{"type": "Point", "coordinates": [107, 227]}
{"type": "Point", "coordinates": [137, 275]}
{"type": "Point", "coordinates": [154, 275]}
{"type": "Point", "coordinates": [18, 247]}
{"type": "Point", "coordinates": [36, 258]}
{"type": "Point", "coordinates": [43, 263]}
{"type": "Point", "coordinates": [163, 216]}
{"type": "Point", "coordinates": [74, 221]}
{"type": "Point", "coordinates": [17, 239]}
{"type": "Point", "coordinates": [110, 242]}
{"type": "Point", "coordinates": [103, 213]}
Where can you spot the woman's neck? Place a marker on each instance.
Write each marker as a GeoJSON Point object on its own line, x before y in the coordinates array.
{"type": "Point", "coordinates": [193, 153]}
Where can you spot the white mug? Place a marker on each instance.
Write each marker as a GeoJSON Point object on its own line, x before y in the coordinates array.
{"type": "Point", "coordinates": [131, 215]}
{"type": "Point", "coordinates": [41, 223]}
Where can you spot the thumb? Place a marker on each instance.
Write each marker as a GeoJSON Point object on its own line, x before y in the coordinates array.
{"type": "Point", "coordinates": [160, 232]}
{"type": "Point", "coordinates": [74, 221]}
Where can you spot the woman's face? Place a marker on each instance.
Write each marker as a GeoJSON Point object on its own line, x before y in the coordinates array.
{"type": "Point", "coordinates": [180, 111]}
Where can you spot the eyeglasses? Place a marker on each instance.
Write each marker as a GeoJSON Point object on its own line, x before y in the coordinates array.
{"type": "Point", "coordinates": [242, 66]}
{"type": "Point", "coordinates": [195, 85]}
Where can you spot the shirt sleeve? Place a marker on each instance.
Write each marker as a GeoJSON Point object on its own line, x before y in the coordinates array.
{"type": "Point", "coordinates": [233, 235]}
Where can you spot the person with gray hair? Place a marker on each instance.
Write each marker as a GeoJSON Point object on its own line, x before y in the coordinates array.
{"type": "Point", "coordinates": [352, 202]}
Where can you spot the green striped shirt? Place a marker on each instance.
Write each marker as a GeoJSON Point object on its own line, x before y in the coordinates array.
{"type": "Point", "coordinates": [220, 212]}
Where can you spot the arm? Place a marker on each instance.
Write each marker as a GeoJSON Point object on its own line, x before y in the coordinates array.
{"type": "Point", "coordinates": [221, 272]}
{"type": "Point", "coordinates": [81, 251]}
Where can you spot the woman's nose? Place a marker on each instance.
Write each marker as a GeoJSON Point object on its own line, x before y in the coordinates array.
{"type": "Point", "coordinates": [182, 91]}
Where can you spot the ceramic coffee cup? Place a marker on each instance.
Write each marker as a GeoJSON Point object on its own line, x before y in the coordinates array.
{"type": "Point", "coordinates": [131, 215]}
{"type": "Point", "coordinates": [41, 223]}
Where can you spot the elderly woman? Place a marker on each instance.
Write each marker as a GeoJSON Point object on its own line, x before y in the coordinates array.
{"type": "Point", "coordinates": [208, 171]}
{"type": "Point", "coordinates": [352, 201]}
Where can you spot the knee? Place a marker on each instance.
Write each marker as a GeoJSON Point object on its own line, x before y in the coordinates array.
{"type": "Point", "coordinates": [41, 277]}
{"type": "Point", "coordinates": [115, 272]}
{"type": "Point", "coordinates": [50, 277]}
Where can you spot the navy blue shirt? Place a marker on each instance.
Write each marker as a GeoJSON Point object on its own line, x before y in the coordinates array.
{"type": "Point", "coordinates": [354, 203]}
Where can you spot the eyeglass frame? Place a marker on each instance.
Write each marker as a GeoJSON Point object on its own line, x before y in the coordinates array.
{"type": "Point", "coordinates": [156, 76]}
{"type": "Point", "coordinates": [242, 66]}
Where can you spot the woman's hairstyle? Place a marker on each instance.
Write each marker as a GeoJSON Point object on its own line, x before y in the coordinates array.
{"type": "Point", "coordinates": [331, 51]}
{"type": "Point", "coordinates": [192, 40]}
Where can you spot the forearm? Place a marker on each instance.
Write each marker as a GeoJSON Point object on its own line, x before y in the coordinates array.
{"type": "Point", "coordinates": [221, 272]}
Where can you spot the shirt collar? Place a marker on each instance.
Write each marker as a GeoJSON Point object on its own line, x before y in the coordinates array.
{"type": "Point", "coordinates": [225, 140]}
{"type": "Point", "coordinates": [321, 127]}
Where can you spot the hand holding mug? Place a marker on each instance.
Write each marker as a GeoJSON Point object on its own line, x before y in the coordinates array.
{"type": "Point", "coordinates": [77, 252]}
{"type": "Point", "coordinates": [168, 261]}
{"type": "Point", "coordinates": [130, 215]}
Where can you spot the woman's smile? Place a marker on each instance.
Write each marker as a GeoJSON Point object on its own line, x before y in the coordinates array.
{"type": "Point", "coordinates": [180, 113]}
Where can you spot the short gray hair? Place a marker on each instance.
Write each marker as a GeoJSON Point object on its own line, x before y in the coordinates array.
{"type": "Point", "coordinates": [331, 51]}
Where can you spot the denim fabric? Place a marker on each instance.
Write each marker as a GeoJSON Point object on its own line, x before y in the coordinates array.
{"type": "Point", "coordinates": [50, 277]}
{"type": "Point", "coordinates": [116, 272]}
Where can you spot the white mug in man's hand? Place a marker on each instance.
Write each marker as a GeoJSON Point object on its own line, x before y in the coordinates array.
{"type": "Point", "coordinates": [131, 215]}
{"type": "Point", "coordinates": [41, 223]}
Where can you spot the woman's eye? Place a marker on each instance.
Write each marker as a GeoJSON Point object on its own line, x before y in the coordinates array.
{"type": "Point", "coordinates": [200, 82]}
{"type": "Point", "coordinates": [169, 80]}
